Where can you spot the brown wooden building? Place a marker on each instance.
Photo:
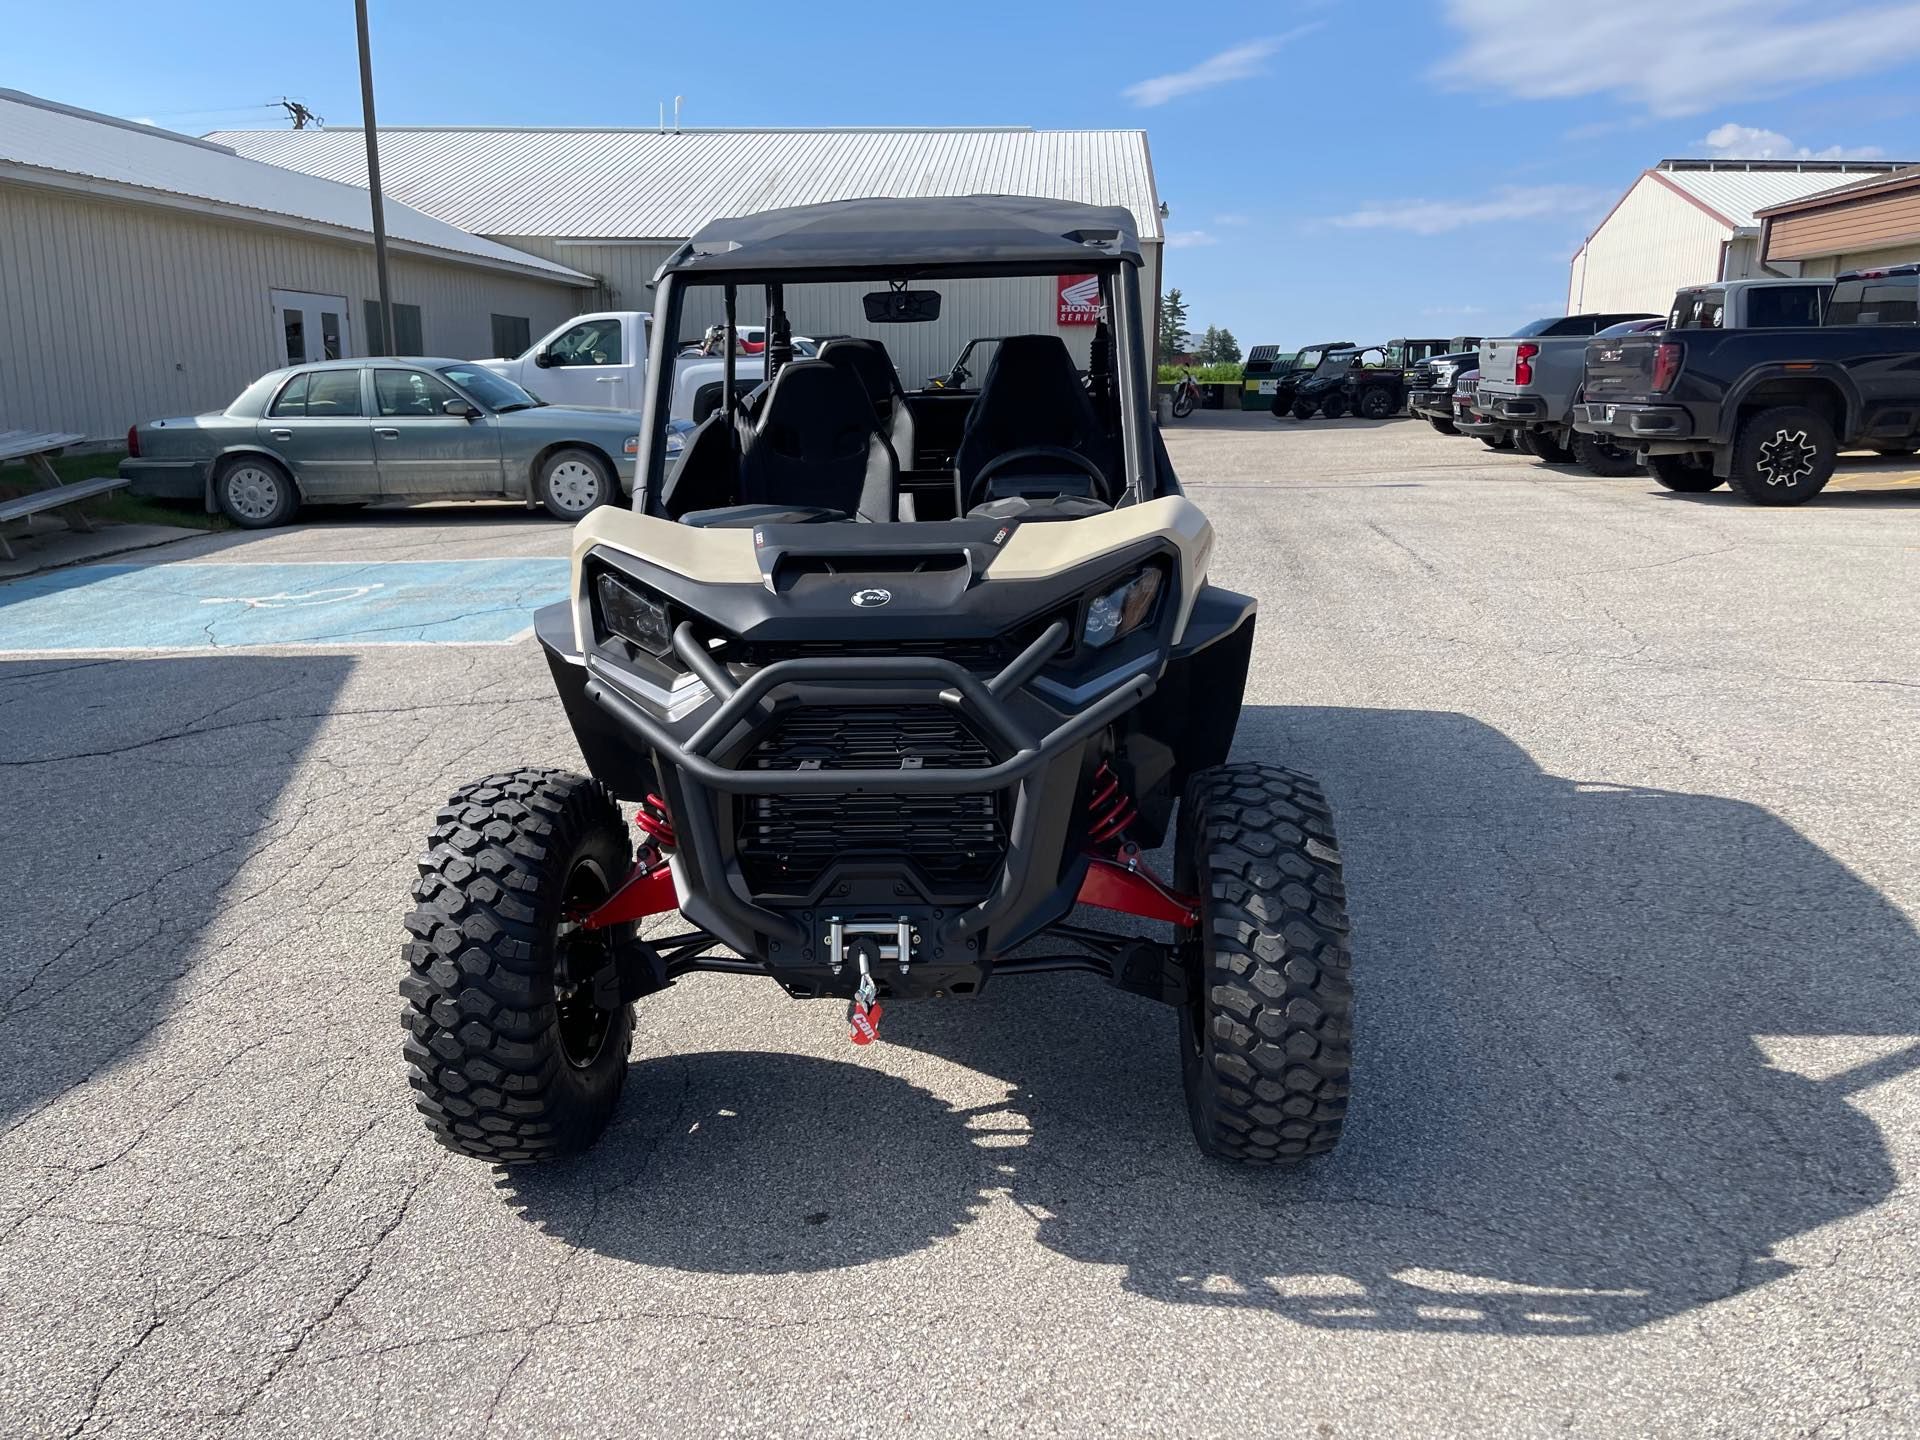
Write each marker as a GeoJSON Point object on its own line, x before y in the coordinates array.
{"type": "Point", "coordinates": [1869, 222]}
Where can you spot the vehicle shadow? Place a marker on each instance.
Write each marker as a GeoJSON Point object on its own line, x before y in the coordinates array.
{"type": "Point", "coordinates": [1576, 1106]}
{"type": "Point", "coordinates": [131, 790]}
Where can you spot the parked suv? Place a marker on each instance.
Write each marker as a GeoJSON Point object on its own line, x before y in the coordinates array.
{"type": "Point", "coordinates": [1769, 409]}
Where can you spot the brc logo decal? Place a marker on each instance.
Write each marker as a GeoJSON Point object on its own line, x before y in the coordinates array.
{"type": "Point", "coordinates": [1079, 297]}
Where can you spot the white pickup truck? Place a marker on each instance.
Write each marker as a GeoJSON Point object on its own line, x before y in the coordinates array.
{"type": "Point", "coordinates": [601, 359]}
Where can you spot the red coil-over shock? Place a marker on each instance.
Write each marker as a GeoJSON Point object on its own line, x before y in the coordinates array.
{"type": "Point", "coordinates": [653, 820]}
{"type": "Point", "coordinates": [1110, 810]}
{"type": "Point", "coordinates": [1116, 879]}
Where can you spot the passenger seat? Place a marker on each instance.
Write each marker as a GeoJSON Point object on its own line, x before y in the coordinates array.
{"type": "Point", "coordinates": [868, 363]}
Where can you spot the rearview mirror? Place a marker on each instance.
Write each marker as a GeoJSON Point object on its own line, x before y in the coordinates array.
{"type": "Point", "coordinates": [901, 307]}
{"type": "Point", "coordinates": [460, 408]}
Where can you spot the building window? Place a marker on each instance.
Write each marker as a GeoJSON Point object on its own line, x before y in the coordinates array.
{"type": "Point", "coordinates": [406, 328]}
{"type": "Point", "coordinates": [512, 334]}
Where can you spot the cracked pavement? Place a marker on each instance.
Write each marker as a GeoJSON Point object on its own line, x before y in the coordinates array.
{"type": "Point", "coordinates": [1623, 781]}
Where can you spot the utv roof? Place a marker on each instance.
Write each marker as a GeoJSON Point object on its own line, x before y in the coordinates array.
{"type": "Point", "coordinates": [973, 234]}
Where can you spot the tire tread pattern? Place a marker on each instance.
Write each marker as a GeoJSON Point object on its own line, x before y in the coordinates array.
{"type": "Point", "coordinates": [1272, 1078]}
{"type": "Point", "coordinates": [483, 1054]}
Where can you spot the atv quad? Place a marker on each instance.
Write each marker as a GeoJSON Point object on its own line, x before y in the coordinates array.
{"type": "Point", "coordinates": [893, 716]}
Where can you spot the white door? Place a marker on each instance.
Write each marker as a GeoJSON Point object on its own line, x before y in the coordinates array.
{"type": "Point", "coordinates": [588, 363]}
{"type": "Point", "coordinates": [310, 327]}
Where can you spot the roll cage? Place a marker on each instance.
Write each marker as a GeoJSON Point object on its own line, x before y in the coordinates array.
{"type": "Point", "coordinates": [885, 244]}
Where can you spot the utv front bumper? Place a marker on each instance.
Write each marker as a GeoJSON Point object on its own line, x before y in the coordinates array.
{"type": "Point", "coordinates": [716, 752]}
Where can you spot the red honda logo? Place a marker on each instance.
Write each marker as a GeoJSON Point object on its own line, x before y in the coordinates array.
{"type": "Point", "coordinates": [1079, 297]}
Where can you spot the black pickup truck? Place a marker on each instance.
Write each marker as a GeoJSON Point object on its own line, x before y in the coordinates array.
{"type": "Point", "coordinates": [1768, 410]}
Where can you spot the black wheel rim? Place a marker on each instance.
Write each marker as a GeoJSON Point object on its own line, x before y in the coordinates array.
{"type": "Point", "coordinates": [583, 1027]}
{"type": "Point", "coordinates": [1787, 458]}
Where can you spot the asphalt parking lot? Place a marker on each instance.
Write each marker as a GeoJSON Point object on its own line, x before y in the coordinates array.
{"type": "Point", "coordinates": [1625, 786]}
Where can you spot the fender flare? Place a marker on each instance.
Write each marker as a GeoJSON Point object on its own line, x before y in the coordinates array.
{"type": "Point", "coordinates": [1822, 370]}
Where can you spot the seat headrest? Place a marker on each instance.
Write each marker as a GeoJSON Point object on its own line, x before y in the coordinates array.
{"type": "Point", "coordinates": [868, 362]}
{"type": "Point", "coordinates": [1031, 382]}
{"type": "Point", "coordinates": [814, 411]}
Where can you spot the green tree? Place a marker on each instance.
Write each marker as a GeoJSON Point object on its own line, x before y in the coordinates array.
{"type": "Point", "coordinates": [1209, 343]}
{"type": "Point", "coordinates": [1226, 349]}
{"type": "Point", "coordinates": [1173, 324]}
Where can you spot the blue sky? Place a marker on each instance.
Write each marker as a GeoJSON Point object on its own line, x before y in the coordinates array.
{"type": "Point", "coordinates": [1334, 171]}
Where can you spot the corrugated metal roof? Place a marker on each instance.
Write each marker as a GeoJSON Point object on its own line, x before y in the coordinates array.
{"type": "Point", "coordinates": [663, 185]}
{"type": "Point", "coordinates": [42, 135]}
{"type": "Point", "coordinates": [1737, 194]}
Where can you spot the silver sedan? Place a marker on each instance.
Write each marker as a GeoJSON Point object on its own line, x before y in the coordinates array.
{"type": "Point", "coordinates": [384, 429]}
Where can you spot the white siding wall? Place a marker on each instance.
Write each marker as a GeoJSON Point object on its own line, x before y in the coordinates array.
{"type": "Point", "coordinates": [113, 313]}
{"type": "Point", "coordinates": [1831, 265]}
{"type": "Point", "coordinates": [970, 308]}
{"type": "Point", "coordinates": [1655, 243]}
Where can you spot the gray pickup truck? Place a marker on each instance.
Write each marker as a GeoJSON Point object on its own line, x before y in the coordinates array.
{"type": "Point", "coordinates": [1530, 380]}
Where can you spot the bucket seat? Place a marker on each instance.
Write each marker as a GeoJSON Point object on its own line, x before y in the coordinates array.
{"type": "Point", "coordinates": [869, 364]}
{"type": "Point", "coordinates": [1032, 399]}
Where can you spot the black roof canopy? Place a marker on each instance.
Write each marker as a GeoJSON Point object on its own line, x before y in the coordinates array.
{"type": "Point", "coordinates": [955, 234]}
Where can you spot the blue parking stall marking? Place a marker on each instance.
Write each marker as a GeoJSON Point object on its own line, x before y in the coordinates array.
{"type": "Point", "coordinates": [217, 606]}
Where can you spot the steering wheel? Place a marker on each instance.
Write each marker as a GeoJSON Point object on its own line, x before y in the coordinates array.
{"type": "Point", "coordinates": [978, 489]}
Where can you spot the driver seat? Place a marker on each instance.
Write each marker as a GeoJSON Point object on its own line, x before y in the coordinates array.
{"type": "Point", "coordinates": [1032, 395]}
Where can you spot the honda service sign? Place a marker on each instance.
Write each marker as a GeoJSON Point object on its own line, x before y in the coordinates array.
{"type": "Point", "coordinates": [1079, 300]}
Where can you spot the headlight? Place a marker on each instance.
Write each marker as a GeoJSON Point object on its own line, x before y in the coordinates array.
{"type": "Point", "coordinates": [677, 432]}
{"type": "Point", "coordinates": [1123, 609]}
{"type": "Point", "coordinates": [632, 615]}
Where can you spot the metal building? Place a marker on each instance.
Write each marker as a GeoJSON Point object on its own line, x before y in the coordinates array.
{"type": "Point", "coordinates": [144, 273]}
{"type": "Point", "coordinates": [1688, 221]}
{"type": "Point", "coordinates": [616, 202]}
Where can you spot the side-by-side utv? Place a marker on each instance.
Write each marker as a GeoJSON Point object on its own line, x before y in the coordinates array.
{"type": "Point", "coordinates": [901, 687]}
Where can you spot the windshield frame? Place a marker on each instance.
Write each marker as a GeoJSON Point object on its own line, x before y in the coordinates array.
{"type": "Point", "coordinates": [1120, 294]}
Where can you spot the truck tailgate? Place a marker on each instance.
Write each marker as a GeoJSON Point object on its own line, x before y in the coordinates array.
{"type": "Point", "coordinates": [1621, 367]}
{"type": "Point", "coordinates": [1496, 361]}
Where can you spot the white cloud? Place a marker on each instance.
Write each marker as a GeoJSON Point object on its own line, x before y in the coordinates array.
{"type": "Point", "coordinates": [1449, 312]}
{"type": "Point", "coordinates": [1186, 239]}
{"type": "Point", "coordinates": [1673, 59]}
{"type": "Point", "coordinates": [1561, 203]}
{"type": "Point", "coordinates": [1238, 62]}
{"type": "Point", "coordinates": [1747, 142]}
{"type": "Point", "coordinates": [1233, 217]}
{"type": "Point", "coordinates": [143, 120]}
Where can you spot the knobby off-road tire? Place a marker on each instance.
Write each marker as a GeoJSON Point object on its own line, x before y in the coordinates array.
{"type": "Point", "coordinates": [1266, 1035]}
{"type": "Point", "coordinates": [1334, 407]}
{"type": "Point", "coordinates": [1684, 474]}
{"type": "Point", "coordinates": [505, 1066]}
{"type": "Point", "coordinates": [1377, 404]}
{"type": "Point", "coordinates": [1783, 456]}
{"type": "Point", "coordinates": [1608, 461]}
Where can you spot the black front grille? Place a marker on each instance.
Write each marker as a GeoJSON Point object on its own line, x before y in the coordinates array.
{"type": "Point", "coordinates": [785, 842]}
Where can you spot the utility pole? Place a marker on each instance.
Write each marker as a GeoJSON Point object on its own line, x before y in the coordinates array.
{"type": "Point", "coordinates": [300, 114]}
{"type": "Point", "coordinates": [382, 342]}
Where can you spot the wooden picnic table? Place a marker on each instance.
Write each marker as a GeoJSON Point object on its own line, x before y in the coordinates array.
{"type": "Point", "coordinates": [37, 451]}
